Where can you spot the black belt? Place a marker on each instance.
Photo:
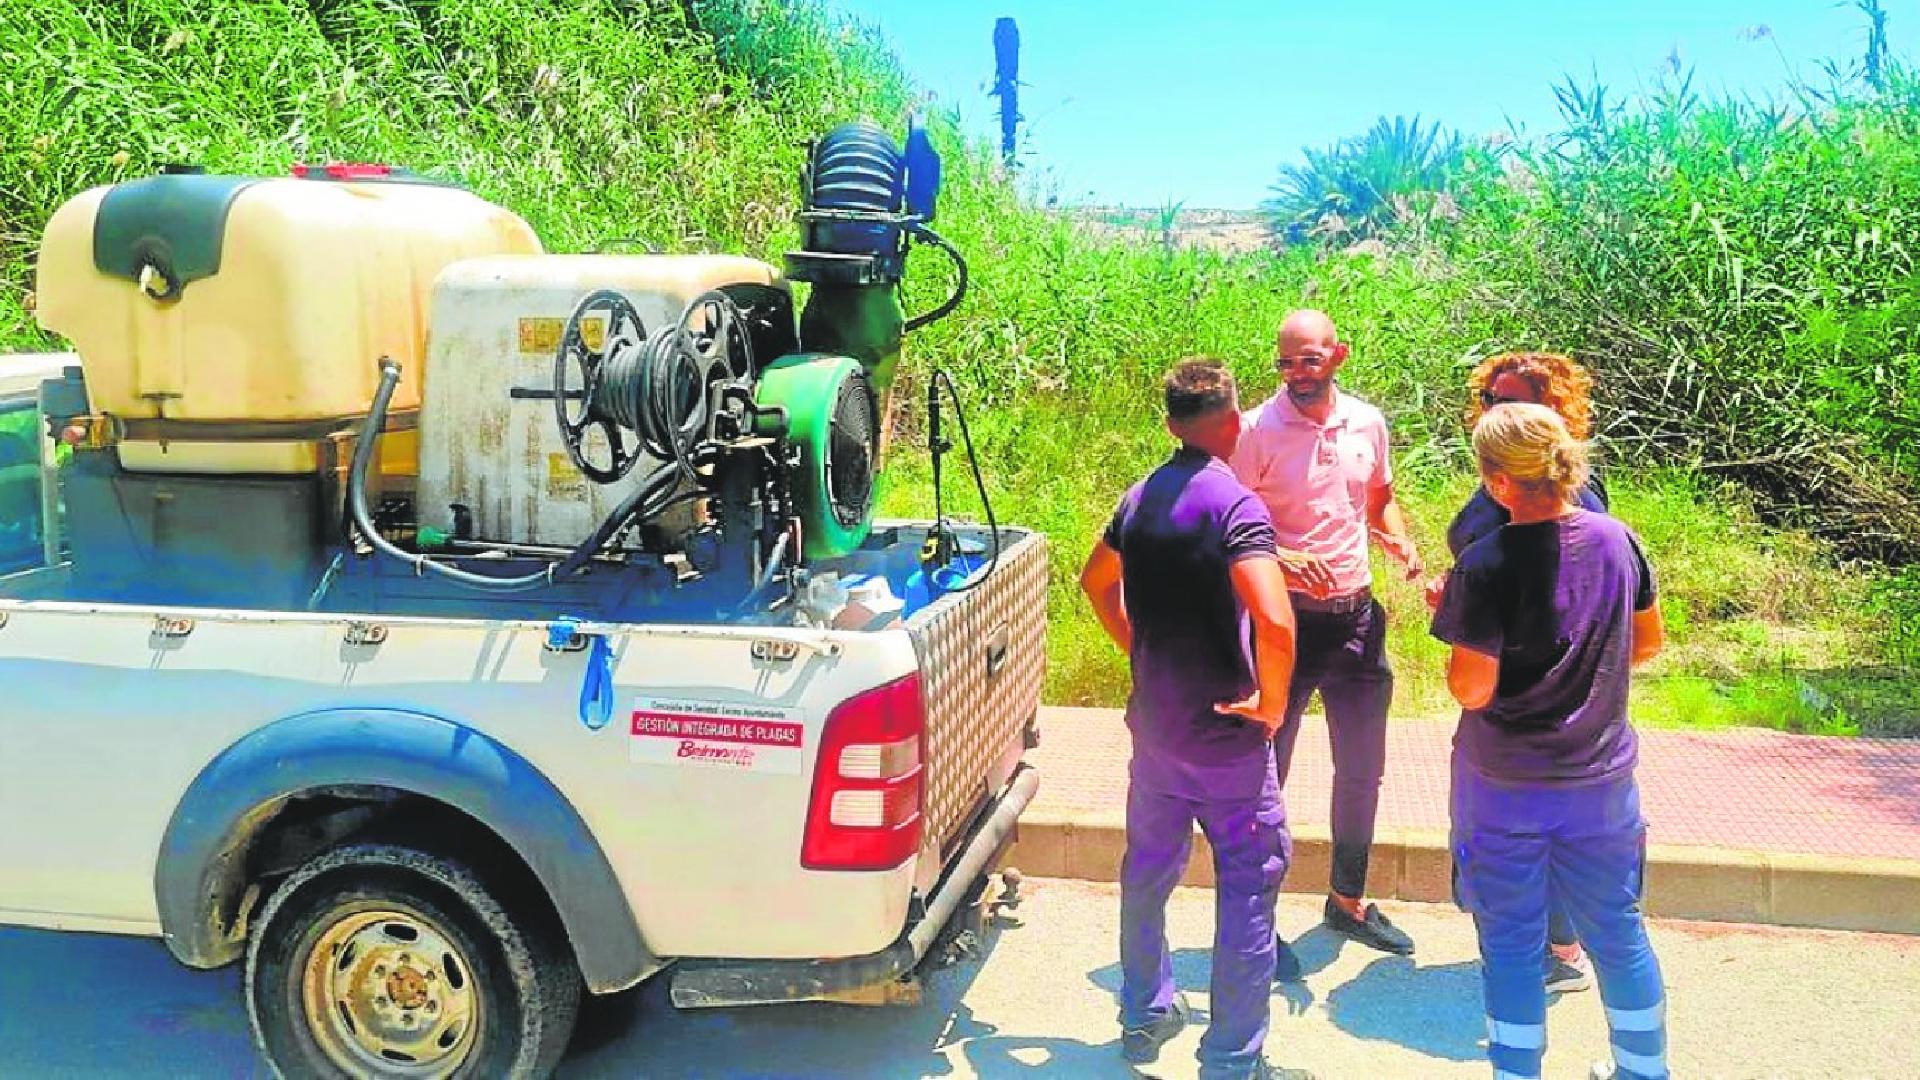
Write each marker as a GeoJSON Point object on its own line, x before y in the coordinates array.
{"type": "Point", "coordinates": [1333, 605]}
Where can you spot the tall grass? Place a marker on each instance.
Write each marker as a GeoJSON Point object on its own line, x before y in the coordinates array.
{"type": "Point", "coordinates": [1742, 278]}
{"type": "Point", "coordinates": [681, 123]}
{"type": "Point", "coordinates": [597, 120]}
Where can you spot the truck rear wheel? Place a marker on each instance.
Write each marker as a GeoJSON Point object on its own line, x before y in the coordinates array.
{"type": "Point", "coordinates": [381, 960]}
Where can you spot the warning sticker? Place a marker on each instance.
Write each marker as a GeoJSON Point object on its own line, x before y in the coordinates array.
{"type": "Point", "coordinates": [717, 734]}
{"type": "Point", "coordinates": [542, 335]}
{"type": "Point", "coordinates": [564, 481]}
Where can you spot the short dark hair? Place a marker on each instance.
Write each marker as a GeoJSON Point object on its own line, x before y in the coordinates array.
{"type": "Point", "coordinates": [1198, 386]}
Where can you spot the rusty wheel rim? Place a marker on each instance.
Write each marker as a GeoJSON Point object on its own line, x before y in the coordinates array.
{"type": "Point", "coordinates": [387, 993]}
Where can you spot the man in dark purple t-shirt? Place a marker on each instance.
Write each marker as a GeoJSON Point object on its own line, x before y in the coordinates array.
{"type": "Point", "coordinates": [1186, 581]}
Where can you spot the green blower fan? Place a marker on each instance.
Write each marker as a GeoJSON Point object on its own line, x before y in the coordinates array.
{"type": "Point", "coordinates": [833, 421]}
{"type": "Point", "coordinates": [866, 200]}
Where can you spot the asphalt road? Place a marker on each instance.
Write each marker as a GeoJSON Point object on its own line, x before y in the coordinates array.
{"type": "Point", "coordinates": [1745, 1002]}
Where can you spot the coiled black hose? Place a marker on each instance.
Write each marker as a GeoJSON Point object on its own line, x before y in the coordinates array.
{"type": "Point", "coordinates": [926, 235]}
{"type": "Point", "coordinates": [658, 389]}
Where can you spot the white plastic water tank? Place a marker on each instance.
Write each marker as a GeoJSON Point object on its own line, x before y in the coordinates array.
{"type": "Point", "coordinates": [495, 325]}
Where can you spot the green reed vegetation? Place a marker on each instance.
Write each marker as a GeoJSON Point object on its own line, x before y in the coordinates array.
{"type": "Point", "coordinates": [1739, 277]}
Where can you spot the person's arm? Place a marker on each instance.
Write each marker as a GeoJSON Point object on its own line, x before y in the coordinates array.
{"type": "Point", "coordinates": [1262, 589]}
{"type": "Point", "coordinates": [1649, 634]}
{"type": "Point", "coordinates": [1470, 623]}
{"type": "Point", "coordinates": [1385, 521]}
{"type": "Point", "coordinates": [1472, 677]}
{"type": "Point", "coordinates": [1388, 525]}
{"type": "Point", "coordinates": [1100, 580]}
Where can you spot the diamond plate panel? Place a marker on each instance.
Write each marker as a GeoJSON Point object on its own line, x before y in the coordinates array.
{"type": "Point", "coordinates": [979, 697]}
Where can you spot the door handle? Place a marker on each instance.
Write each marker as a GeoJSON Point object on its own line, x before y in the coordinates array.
{"type": "Point", "coordinates": [997, 649]}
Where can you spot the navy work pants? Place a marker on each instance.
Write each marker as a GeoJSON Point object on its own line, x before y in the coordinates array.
{"type": "Point", "coordinates": [1513, 846]}
{"type": "Point", "coordinates": [1251, 851]}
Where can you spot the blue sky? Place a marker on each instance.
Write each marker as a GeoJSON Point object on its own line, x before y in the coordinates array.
{"type": "Point", "coordinates": [1148, 101]}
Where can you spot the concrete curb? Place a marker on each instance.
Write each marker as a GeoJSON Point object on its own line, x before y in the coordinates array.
{"type": "Point", "coordinates": [1414, 864]}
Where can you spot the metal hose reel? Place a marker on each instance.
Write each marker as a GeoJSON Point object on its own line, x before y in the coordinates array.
{"type": "Point", "coordinates": [658, 395]}
{"type": "Point", "coordinates": [656, 386]}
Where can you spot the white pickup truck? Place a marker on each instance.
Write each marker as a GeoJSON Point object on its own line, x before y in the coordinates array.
{"type": "Point", "coordinates": [426, 820]}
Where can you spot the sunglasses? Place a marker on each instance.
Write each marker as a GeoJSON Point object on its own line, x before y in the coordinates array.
{"type": "Point", "coordinates": [1288, 363]}
{"type": "Point", "coordinates": [1488, 399]}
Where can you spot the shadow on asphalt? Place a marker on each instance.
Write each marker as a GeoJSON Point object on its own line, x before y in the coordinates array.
{"type": "Point", "coordinates": [1434, 1011]}
{"type": "Point", "coordinates": [96, 1005]}
{"type": "Point", "coordinates": [1317, 949]}
{"type": "Point", "coordinates": [640, 1034]}
{"type": "Point", "coordinates": [104, 1006]}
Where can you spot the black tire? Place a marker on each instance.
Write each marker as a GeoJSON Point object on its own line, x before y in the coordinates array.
{"type": "Point", "coordinates": [482, 993]}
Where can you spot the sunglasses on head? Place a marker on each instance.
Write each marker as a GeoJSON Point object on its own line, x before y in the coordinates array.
{"type": "Point", "coordinates": [1488, 399]}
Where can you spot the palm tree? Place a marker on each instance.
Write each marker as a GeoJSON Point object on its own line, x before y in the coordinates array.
{"type": "Point", "coordinates": [1361, 185]}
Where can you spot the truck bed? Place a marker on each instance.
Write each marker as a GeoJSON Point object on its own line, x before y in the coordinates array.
{"type": "Point", "coordinates": [116, 711]}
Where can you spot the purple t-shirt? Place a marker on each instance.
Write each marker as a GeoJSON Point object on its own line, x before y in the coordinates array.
{"type": "Point", "coordinates": [1178, 532]}
{"type": "Point", "coordinates": [1554, 601]}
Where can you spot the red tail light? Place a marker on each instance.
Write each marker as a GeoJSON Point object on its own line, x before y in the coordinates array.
{"type": "Point", "coordinates": [867, 792]}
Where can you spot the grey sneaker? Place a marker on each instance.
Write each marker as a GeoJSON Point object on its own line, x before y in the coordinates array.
{"type": "Point", "coordinates": [1563, 977]}
{"type": "Point", "coordinates": [1141, 1045]}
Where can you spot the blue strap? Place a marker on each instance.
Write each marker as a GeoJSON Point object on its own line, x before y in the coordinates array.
{"type": "Point", "coordinates": [561, 631]}
{"type": "Point", "coordinates": [596, 685]}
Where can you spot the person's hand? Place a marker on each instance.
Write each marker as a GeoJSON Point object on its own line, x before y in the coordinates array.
{"type": "Point", "coordinates": [1402, 551]}
{"type": "Point", "coordinates": [1269, 717]}
{"type": "Point", "coordinates": [1310, 574]}
{"type": "Point", "coordinates": [1436, 585]}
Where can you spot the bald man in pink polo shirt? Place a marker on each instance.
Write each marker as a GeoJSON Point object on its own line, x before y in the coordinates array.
{"type": "Point", "coordinates": [1318, 458]}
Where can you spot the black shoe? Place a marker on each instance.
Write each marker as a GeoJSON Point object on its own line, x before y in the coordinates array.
{"type": "Point", "coordinates": [1286, 962]}
{"type": "Point", "coordinates": [1372, 930]}
{"type": "Point", "coordinates": [1141, 1045]}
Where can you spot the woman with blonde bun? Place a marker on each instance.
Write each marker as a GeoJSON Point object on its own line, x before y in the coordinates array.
{"type": "Point", "coordinates": [1546, 616]}
{"type": "Point", "coordinates": [1560, 383]}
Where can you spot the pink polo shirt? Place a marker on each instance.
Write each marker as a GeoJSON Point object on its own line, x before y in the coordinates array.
{"type": "Point", "coordinates": [1314, 478]}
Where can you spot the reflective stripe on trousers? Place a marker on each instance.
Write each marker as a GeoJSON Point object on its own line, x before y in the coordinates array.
{"type": "Point", "coordinates": [1513, 846]}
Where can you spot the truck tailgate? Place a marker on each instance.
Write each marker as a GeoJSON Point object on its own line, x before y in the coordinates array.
{"type": "Point", "coordinates": [982, 660]}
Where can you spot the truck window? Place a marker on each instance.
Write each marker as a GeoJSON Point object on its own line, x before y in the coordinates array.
{"type": "Point", "coordinates": [21, 521]}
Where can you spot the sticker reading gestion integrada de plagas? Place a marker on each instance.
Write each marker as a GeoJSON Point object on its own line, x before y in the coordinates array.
{"type": "Point", "coordinates": [717, 734]}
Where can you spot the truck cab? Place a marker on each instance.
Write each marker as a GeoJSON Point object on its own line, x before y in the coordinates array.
{"type": "Point", "coordinates": [23, 507]}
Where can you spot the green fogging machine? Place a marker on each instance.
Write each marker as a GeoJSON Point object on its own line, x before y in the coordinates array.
{"type": "Point", "coordinates": [664, 425]}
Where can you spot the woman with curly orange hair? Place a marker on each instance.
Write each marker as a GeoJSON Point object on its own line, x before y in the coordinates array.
{"type": "Point", "coordinates": [1560, 384]}
{"type": "Point", "coordinates": [1533, 378]}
